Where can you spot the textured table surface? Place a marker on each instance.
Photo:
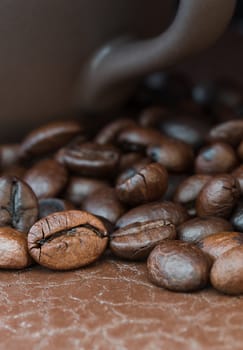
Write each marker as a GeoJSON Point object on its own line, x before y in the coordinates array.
{"type": "Point", "coordinates": [111, 304]}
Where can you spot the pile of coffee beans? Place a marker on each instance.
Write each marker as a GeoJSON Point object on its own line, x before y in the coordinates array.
{"type": "Point", "coordinates": [162, 183]}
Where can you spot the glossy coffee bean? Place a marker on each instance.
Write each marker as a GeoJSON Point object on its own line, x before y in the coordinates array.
{"type": "Point", "coordinates": [137, 139]}
{"type": "Point", "coordinates": [216, 158]}
{"type": "Point", "coordinates": [48, 206]}
{"type": "Point", "coordinates": [230, 132]}
{"type": "Point", "coordinates": [174, 155]}
{"type": "Point", "coordinates": [47, 178]}
{"type": "Point", "coordinates": [198, 228]}
{"type": "Point", "coordinates": [236, 217]}
{"type": "Point", "coordinates": [240, 150]}
{"type": "Point", "coordinates": [13, 249]}
{"type": "Point", "coordinates": [152, 116]}
{"type": "Point", "coordinates": [18, 204]}
{"type": "Point", "coordinates": [174, 180]}
{"type": "Point", "coordinates": [227, 272]}
{"type": "Point", "coordinates": [67, 240]}
{"type": "Point", "coordinates": [191, 130]}
{"type": "Point", "coordinates": [147, 184]}
{"type": "Point", "coordinates": [108, 134]}
{"type": "Point", "coordinates": [90, 159]}
{"type": "Point", "coordinates": [135, 241]}
{"type": "Point", "coordinates": [79, 188]}
{"type": "Point", "coordinates": [218, 197]}
{"type": "Point", "coordinates": [127, 160]}
{"type": "Point", "coordinates": [132, 170]}
{"type": "Point", "coordinates": [238, 174]}
{"type": "Point", "coordinates": [49, 138]}
{"type": "Point", "coordinates": [9, 155]}
{"type": "Point", "coordinates": [188, 190]}
{"type": "Point", "coordinates": [168, 211]}
{"type": "Point", "coordinates": [105, 203]}
{"type": "Point", "coordinates": [15, 170]}
{"type": "Point", "coordinates": [217, 244]}
{"type": "Point", "coordinates": [178, 266]}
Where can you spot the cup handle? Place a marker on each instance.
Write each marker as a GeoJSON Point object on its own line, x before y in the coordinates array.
{"type": "Point", "coordinates": [109, 75]}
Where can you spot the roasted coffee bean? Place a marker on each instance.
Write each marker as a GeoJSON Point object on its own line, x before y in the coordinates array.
{"type": "Point", "coordinates": [9, 156]}
{"type": "Point", "coordinates": [104, 202]}
{"type": "Point", "coordinates": [217, 158]}
{"type": "Point", "coordinates": [218, 197]}
{"type": "Point", "coordinates": [167, 211]}
{"type": "Point", "coordinates": [48, 206]}
{"type": "Point", "coordinates": [109, 133]}
{"type": "Point", "coordinates": [191, 130]}
{"type": "Point", "coordinates": [67, 240]}
{"type": "Point", "coordinates": [188, 190]}
{"type": "Point", "coordinates": [230, 132]}
{"type": "Point", "coordinates": [127, 160]}
{"type": "Point", "coordinates": [198, 228]}
{"type": "Point", "coordinates": [147, 184]}
{"type": "Point", "coordinates": [133, 170]}
{"type": "Point", "coordinates": [13, 249]}
{"type": "Point", "coordinates": [135, 241]}
{"type": "Point", "coordinates": [174, 180]}
{"type": "Point", "coordinates": [238, 174]}
{"type": "Point", "coordinates": [217, 244]}
{"type": "Point", "coordinates": [47, 178]}
{"type": "Point", "coordinates": [15, 170]}
{"type": "Point", "coordinates": [136, 139]}
{"type": "Point", "coordinates": [49, 138]}
{"type": "Point", "coordinates": [229, 93]}
{"type": "Point", "coordinates": [90, 159]}
{"type": "Point", "coordinates": [237, 217]}
{"type": "Point", "coordinates": [18, 204]}
{"type": "Point", "coordinates": [152, 116]}
{"type": "Point", "coordinates": [178, 266]}
{"type": "Point", "coordinates": [240, 150]}
{"type": "Point", "coordinates": [174, 155]}
{"type": "Point", "coordinates": [227, 272]}
{"type": "Point", "coordinates": [79, 188]}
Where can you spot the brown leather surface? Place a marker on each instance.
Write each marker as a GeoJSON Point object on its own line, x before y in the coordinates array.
{"type": "Point", "coordinates": [111, 304]}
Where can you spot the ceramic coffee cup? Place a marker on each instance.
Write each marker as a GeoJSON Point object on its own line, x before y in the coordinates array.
{"type": "Point", "coordinates": [59, 56]}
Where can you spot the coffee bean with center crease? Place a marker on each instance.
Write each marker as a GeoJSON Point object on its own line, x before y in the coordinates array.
{"type": "Point", "coordinates": [148, 183]}
{"type": "Point", "coordinates": [169, 211]}
{"type": "Point", "coordinates": [178, 266]}
{"type": "Point", "coordinates": [217, 158]}
{"type": "Point", "coordinates": [174, 155]}
{"type": "Point", "coordinates": [67, 240]}
{"type": "Point", "coordinates": [48, 206]}
{"type": "Point", "coordinates": [13, 249]}
{"type": "Point", "coordinates": [227, 272]}
{"type": "Point", "coordinates": [198, 228]}
{"type": "Point", "coordinates": [188, 190]}
{"type": "Point", "coordinates": [218, 197]}
{"type": "Point", "coordinates": [49, 137]}
{"type": "Point", "coordinates": [47, 178]}
{"type": "Point", "coordinates": [90, 159]}
{"type": "Point", "coordinates": [219, 243]}
{"type": "Point", "coordinates": [18, 204]}
{"type": "Point", "coordinates": [135, 241]}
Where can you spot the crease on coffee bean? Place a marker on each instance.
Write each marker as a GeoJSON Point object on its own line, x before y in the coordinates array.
{"type": "Point", "coordinates": [69, 232]}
